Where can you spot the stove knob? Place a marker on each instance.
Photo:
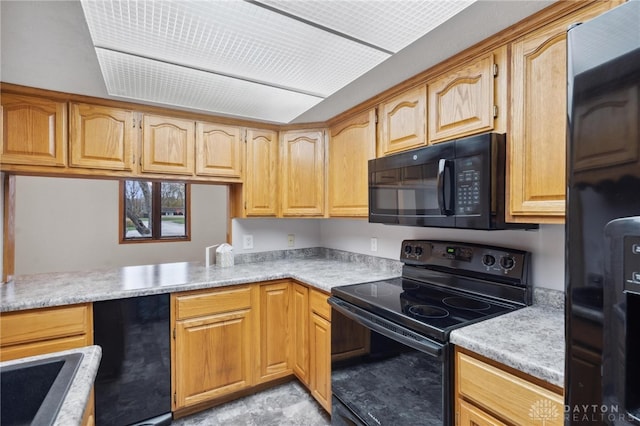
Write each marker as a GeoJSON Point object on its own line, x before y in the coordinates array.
{"type": "Point", "coordinates": [407, 249]}
{"type": "Point", "coordinates": [488, 260]}
{"type": "Point", "coordinates": [507, 262]}
{"type": "Point", "coordinates": [418, 251]}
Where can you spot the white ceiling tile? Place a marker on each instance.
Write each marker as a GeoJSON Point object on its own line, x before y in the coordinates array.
{"type": "Point", "coordinates": [138, 78]}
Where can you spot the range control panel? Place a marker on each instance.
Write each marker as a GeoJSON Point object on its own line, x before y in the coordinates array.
{"type": "Point", "coordinates": [466, 258]}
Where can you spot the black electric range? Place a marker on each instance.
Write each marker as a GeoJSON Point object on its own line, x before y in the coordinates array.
{"type": "Point", "coordinates": [403, 358]}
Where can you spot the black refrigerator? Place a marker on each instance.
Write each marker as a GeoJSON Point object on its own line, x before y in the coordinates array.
{"type": "Point", "coordinates": [602, 374]}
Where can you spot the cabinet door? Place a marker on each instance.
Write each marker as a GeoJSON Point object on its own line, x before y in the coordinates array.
{"type": "Point", "coordinates": [261, 176]}
{"type": "Point", "coordinates": [218, 150]}
{"type": "Point", "coordinates": [101, 137]}
{"type": "Point", "coordinates": [275, 325]}
{"type": "Point", "coordinates": [300, 344]}
{"type": "Point", "coordinates": [303, 173]}
{"type": "Point", "coordinates": [212, 357]}
{"type": "Point", "coordinates": [46, 330]}
{"type": "Point", "coordinates": [537, 140]}
{"type": "Point", "coordinates": [167, 145]}
{"type": "Point", "coordinates": [403, 122]}
{"type": "Point", "coordinates": [34, 131]}
{"type": "Point", "coordinates": [468, 415]}
{"type": "Point", "coordinates": [352, 145]}
{"type": "Point", "coordinates": [320, 348]}
{"type": "Point", "coordinates": [462, 102]}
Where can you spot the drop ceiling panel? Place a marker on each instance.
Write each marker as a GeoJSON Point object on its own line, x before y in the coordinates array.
{"type": "Point", "coordinates": [389, 24]}
{"type": "Point", "coordinates": [233, 38]}
{"type": "Point", "coordinates": [139, 78]}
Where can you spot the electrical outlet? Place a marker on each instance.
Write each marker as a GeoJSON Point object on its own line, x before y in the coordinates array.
{"type": "Point", "coordinates": [374, 244]}
{"type": "Point", "coordinates": [247, 242]}
{"type": "Point", "coordinates": [291, 240]}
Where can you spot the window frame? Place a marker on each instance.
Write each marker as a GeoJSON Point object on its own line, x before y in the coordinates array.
{"type": "Point", "coordinates": [156, 214]}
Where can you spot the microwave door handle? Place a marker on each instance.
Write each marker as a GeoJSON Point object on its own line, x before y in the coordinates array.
{"type": "Point", "coordinates": [443, 165]}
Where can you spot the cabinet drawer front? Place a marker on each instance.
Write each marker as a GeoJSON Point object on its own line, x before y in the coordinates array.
{"type": "Point", "coordinates": [43, 347]}
{"type": "Point", "coordinates": [506, 395]}
{"type": "Point", "coordinates": [212, 302]}
{"type": "Point", "coordinates": [42, 324]}
{"type": "Point", "coordinates": [319, 305]}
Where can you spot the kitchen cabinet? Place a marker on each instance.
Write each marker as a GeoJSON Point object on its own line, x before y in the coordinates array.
{"type": "Point", "coordinates": [34, 131]}
{"type": "Point", "coordinates": [537, 138]}
{"type": "Point", "coordinates": [302, 168]}
{"type": "Point", "coordinates": [465, 100]}
{"type": "Point", "coordinates": [352, 144]}
{"type": "Point", "coordinates": [490, 394]}
{"type": "Point", "coordinates": [168, 145]}
{"type": "Point", "coordinates": [260, 191]}
{"type": "Point", "coordinates": [41, 331]}
{"type": "Point", "coordinates": [219, 150]}
{"type": "Point", "coordinates": [101, 137]}
{"type": "Point", "coordinates": [275, 324]}
{"type": "Point", "coordinates": [320, 348]}
{"type": "Point", "coordinates": [403, 121]}
{"type": "Point", "coordinates": [300, 332]}
{"type": "Point", "coordinates": [212, 347]}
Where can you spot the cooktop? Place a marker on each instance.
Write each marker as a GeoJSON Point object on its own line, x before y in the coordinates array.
{"type": "Point", "coordinates": [419, 307]}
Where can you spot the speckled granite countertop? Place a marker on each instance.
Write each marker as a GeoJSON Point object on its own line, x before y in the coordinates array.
{"type": "Point", "coordinates": [76, 400]}
{"type": "Point", "coordinates": [55, 289]}
{"type": "Point", "coordinates": [530, 339]}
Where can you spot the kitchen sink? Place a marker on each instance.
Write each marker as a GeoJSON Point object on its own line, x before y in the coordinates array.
{"type": "Point", "coordinates": [31, 393]}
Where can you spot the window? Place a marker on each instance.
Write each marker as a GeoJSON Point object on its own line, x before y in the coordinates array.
{"type": "Point", "coordinates": [154, 211]}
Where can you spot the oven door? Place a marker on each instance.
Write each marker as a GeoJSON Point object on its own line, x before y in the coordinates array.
{"type": "Point", "coordinates": [392, 377]}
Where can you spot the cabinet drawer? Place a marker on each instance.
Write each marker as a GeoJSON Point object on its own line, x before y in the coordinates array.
{"type": "Point", "coordinates": [319, 305]}
{"type": "Point", "coordinates": [43, 324]}
{"type": "Point", "coordinates": [212, 302]}
{"type": "Point", "coordinates": [504, 394]}
{"type": "Point", "coordinates": [43, 347]}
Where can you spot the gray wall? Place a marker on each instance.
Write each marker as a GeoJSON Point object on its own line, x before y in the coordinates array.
{"type": "Point", "coordinates": [72, 224]}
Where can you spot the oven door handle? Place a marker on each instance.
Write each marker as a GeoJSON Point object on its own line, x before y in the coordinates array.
{"type": "Point", "coordinates": [388, 329]}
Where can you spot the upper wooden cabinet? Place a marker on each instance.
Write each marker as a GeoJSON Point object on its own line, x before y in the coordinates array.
{"type": "Point", "coordinates": [101, 137]}
{"type": "Point", "coordinates": [34, 131]}
{"type": "Point", "coordinates": [352, 143]}
{"type": "Point", "coordinates": [463, 101]}
{"type": "Point", "coordinates": [167, 145]}
{"type": "Point", "coordinates": [302, 168]}
{"type": "Point", "coordinates": [261, 177]}
{"type": "Point", "coordinates": [403, 122]}
{"type": "Point", "coordinates": [218, 150]}
{"type": "Point", "coordinates": [537, 137]}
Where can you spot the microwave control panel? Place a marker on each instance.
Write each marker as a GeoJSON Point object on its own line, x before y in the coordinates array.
{"type": "Point", "coordinates": [468, 186]}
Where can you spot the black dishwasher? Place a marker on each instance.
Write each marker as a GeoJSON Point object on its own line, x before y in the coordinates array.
{"type": "Point", "coordinates": [133, 384]}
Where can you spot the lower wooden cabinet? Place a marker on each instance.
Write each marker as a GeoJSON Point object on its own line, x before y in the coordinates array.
{"type": "Point", "coordinates": [320, 348]}
{"type": "Point", "coordinates": [488, 393]}
{"type": "Point", "coordinates": [275, 323]}
{"type": "Point", "coordinates": [229, 340]}
{"type": "Point", "coordinates": [212, 344]}
{"type": "Point", "coordinates": [41, 331]}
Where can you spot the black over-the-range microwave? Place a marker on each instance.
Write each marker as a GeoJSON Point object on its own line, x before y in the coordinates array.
{"type": "Point", "coordinates": [454, 184]}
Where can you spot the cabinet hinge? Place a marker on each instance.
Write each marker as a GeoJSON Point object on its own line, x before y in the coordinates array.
{"type": "Point", "coordinates": [175, 398]}
{"type": "Point", "coordinates": [495, 70]}
{"type": "Point", "coordinates": [174, 334]}
{"type": "Point", "coordinates": [134, 123]}
{"type": "Point", "coordinates": [375, 118]}
{"type": "Point", "coordinates": [495, 111]}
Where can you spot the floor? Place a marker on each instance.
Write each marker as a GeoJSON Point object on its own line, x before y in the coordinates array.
{"type": "Point", "coordinates": [287, 404]}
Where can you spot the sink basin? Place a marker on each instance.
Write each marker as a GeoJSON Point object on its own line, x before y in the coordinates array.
{"type": "Point", "coordinates": [31, 393]}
